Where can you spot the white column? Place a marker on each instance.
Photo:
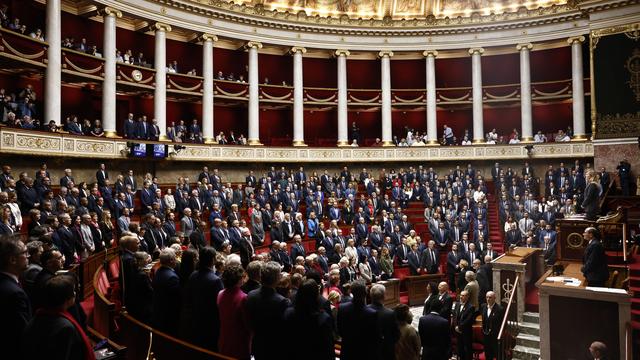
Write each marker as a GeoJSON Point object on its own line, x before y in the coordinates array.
{"type": "Point", "coordinates": [343, 126]}
{"type": "Point", "coordinates": [385, 79]}
{"type": "Point", "coordinates": [526, 116]}
{"type": "Point", "coordinates": [578, 87]}
{"type": "Point", "coordinates": [476, 76]}
{"type": "Point", "coordinates": [109, 81]}
{"type": "Point", "coordinates": [160, 93]}
{"type": "Point", "coordinates": [298, 97]}
{"type": "Point", "coordinates": [207, 87]}
{"type": "Point", "coordinates": [432, 124]}
{"type": "Point", "coordinates": [52, 85]}
{"type": "Point", "coordinates": [254, 93]}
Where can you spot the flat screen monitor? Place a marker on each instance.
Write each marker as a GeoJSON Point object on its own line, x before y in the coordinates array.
{"type": "Point", "coordinates": [139, 150]}
{"type": "Point", "coordinates": [159, 151]}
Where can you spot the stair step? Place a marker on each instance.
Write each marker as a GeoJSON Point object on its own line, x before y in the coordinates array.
{"type": "Point", "coordinates": [531, 317]}
{"type": "Point", "coordinates": [528, 340]}
{"type": "Point", "coordinates": [530, 328]}
{"type": "Point", "coordinates": [526, 353]}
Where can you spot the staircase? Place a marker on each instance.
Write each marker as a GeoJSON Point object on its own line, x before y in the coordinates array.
{"type": "Point", "coordinates": [496, 232]}
{"type": "Point", "coordinates": [528, 340]}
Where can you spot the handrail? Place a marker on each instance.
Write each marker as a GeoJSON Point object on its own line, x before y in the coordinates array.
{"type": "Point", "coordinates": [606, 193]}
{"type": "Point", "coordinates": [506, 313]}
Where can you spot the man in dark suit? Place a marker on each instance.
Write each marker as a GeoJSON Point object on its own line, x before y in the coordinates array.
{"type": "Point", "coordinates": [15, 308]}
{"type": "Point", "coordinates": [445, 299]}
{"type": "Point", "coordinates": [129, 127]}
{"type": "Point", "coordinates": [463, 317]}
{"type": "Point", "coordinates": [357, 325]}
{"type": "Point", "coordinates": [388, 332]}
{"type": "Point", "coordinates": [434, 334]}
{"type": "Point", "coordinates": [453, 265]}
{"type": "Point", "coordinates": [101, 175]}
{"type": "Point", "coordinates": [266, 310]}
{"type": "Point", "coordinates": [430, 260]}
{"type": "Point", "coordinates": [414, 260]}
{"type": "Point", "coordinates": [166, 294]}
{"type": "Point", "coordinates": [142, 129]}
{"type": "Point", "coordinates": [491, 320]}
{"type": "Point", "coordinates": [514, 237]}
{"type": "Point", "coordinates": [595, 268]}
{"type": "Point", "coordinates": [201, 320]}
{"type": "Point", "coordinates": [53, 330]}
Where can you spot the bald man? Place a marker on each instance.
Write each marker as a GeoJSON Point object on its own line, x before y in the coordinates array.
{"type": "Point", "coordinates": [491, 320]}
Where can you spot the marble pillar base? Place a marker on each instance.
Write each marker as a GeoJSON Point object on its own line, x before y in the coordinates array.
{"type": "Point", "coordinates": [254, 142]}
{"type": "Point", "coordinates": [112, 135]}
{"type": "Point", "coordinates": [299, 143]}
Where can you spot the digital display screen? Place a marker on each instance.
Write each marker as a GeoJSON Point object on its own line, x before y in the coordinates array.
{"type": "Point", "coordinates": [139, 150]}
{"type": "Point", "coordinates": [159, 151]}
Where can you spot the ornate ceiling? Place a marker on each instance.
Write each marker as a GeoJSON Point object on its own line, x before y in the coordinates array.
{"type": "Point", "coordinates": [397, 9]}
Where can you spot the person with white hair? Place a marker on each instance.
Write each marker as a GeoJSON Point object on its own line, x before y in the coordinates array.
{"type": "Point", "coordinates": [472, 288]}
{"type": "Point", "coordinates": [491, 320]}
{"type": "Point", "coordinates": [166, 294]}
{"type": "Point", "coordinates": [387, 325]}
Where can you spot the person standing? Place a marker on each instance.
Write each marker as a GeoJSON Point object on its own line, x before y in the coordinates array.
{"type": "Point", "coordinates": [387, 324]}
{"type": "Point", "coordinates": [624, 173]}
{"type": "Point", "coordinates": [594, 268]}
{"type": "Point", "coordinates": [165, 315]}
{"type": "Point", "coordinates": [54, 333]}
{"type": "Point", "coordinates": [491, 320]}
{"type": "Point", "coordinates": [201, 316]}
{"type": "Point", "coordinates": [357, 326]}
{"type": "Point", "coordinates": [266, 313]}
{"type": "Point", "coordinates": [434, 334]}
{"type": "Point", "coordinates": [463, 317]}
{"type": "Point", "coordinates": [408, 345]}
{"type": "Point", "coordinates": [235, 334]}
{"type": "Point", "coordinates": [312, 327]}
{"type": "Point", "coordinates": [591, 202]}
{"type": "Point", "coordinates": [15, 308]}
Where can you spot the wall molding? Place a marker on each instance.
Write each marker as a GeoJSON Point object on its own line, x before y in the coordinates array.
{"type": "Point", "coordinates": [16, 141]}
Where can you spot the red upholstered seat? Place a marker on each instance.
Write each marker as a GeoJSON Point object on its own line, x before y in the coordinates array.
{"type": "Point", "coordinates": [114, 269]}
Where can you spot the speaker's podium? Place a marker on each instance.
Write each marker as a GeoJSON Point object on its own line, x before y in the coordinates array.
{"type": "Point", "coordinates": [572, 314]}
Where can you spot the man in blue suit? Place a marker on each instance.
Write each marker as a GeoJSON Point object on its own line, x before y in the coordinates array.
{"type": "Point", "coordinates": [201, 320]}
{"type": "Point", "coordinates": [15, 308]}
{"type": "Point", "coordinates": [166, 294]}
{"type": "Point", "coordinates": [142, 129]}
{"type": "Point", "coordinates": [146, 198]}
{"type": "Point", "coordinates": [434, 334]}
{"type": "Point", "coordinates": [357, 325]}
{"type": "Point", "coordinates": [129, 127]}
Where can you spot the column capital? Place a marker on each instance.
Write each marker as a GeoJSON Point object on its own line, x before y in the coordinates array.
{"type": "Point", "coordinates": [342, 52]}
{"type": "Point", "coordinates": [160, 27]}
{"type": "Point", "coordinates": [384, 53]}
{"type": "Point", "coordinates": [574, 39]}
{"type": "Point", "coordinates": [298, 49]}
{"type": "Point", "coordinates": [477, 50]}
{"type": "Point", "coordinates": [109, 11]}
{"type": "Point", "coordinates": [207, 37]}
{"type": "Point", "coordinates": [428, 53]}
{"type": "Point", "coordinates": [525, 46]}
{"type": "Point", "coordinates": [253, 45]}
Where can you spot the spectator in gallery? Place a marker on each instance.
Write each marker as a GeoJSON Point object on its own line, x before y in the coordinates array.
{"type": "Point", "coordinates": [355, 131]}
{"type": "Point", "coordinates": [119, 57]}
{"type": "Point", "coordinates": [514, 138]}
{"type": "Point", "coordinates": [624, 173]}
{"type": "Point", "coordinates": [561, 136]}
{"type": "Point", "coordinates": [447, 134]}
{"type": "Point", "coordinates": [354, 143]}
{"type": "Point", "coordinates": [52, 127]}
{"type": "Point", "coordinates": [97, 130]}
{"type": "Point", "coordinates": [540, 137]}
{"type": "Point", "coordinates": [37, 34]}
{"type": "Point", "coordinates": [466, 141]}
{"type": "Point", "coordinates": [192, 72]}
{"type": "Point", "coordinates": [220, 75]}
{"type": "Point", "coordinates": [492, 137]}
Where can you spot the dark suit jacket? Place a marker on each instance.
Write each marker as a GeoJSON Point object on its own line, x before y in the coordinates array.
{"type": "Point", "coordinates": [591, 201]}
{"type": "Point", "coordinates": [200, 314]}
{"type": "Point", "coordinates": [464, 318]}
{"type": "Point", "coordinates": [435, 337]}
{"type": "Point", "coordinates": [447, 304]}
{"type": "Point", "coordinates": [166, 300]}
{"type": "Point", "coordinates": [357, 325]}
{"type": "Point", "coordinates": [388, 332]}
{"type": "Point", "coordinates": [266, 313]}
{"type": "Point", "coordinates": [51, 337]}
{"type": "Point", "coordinates": [15, 312]}
{"type": "Point", "coordinates": [414, 262]}
{"type": "Point", "coordinates": [428, 263]}
{"type": "Point", "coordinates": [101, 178]}
{"type": "Point", "coordinates": [491, 324]}
{"type": "Point", "coordinates": [595, 263]}
{"type": "Point", "coordinates": [313, 331]}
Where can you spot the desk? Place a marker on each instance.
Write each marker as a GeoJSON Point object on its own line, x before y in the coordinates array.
{"type": "Point", "coordinates": [528, 263]}
{"type": "Point", "coordinates": [572, 317]}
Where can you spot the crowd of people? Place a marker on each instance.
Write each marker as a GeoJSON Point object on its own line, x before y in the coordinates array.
{"type": "Point", "coordinates": [290, 283]}
{"type": "Point", "coordinates": [14, 24]}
